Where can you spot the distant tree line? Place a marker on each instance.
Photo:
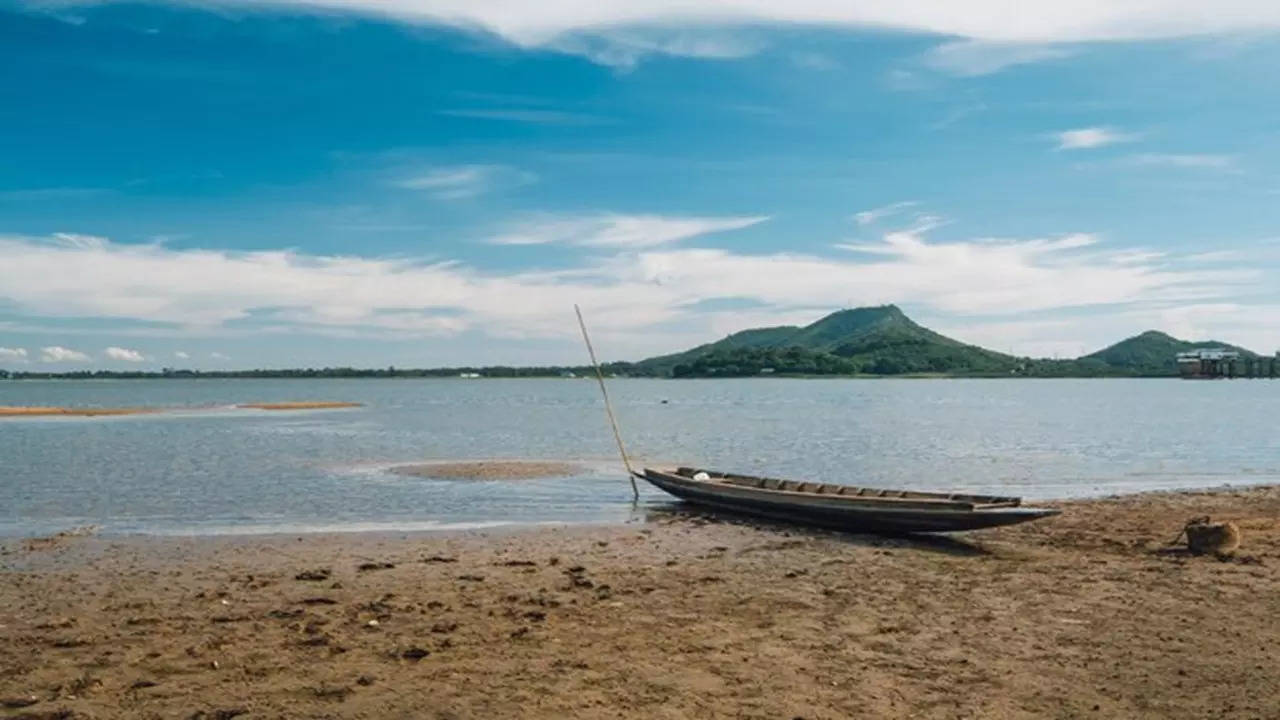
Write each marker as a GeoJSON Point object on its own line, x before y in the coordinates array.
{"type": "Point", "coordinates": [876, 358]}
{"type": "Point", "coordinates": [742, 362]}
{"type": "Point", "coordinates": [492, 371]}
{"type": "Point", "coordinates": [900, 360]}
{"type": "Point", "coordinates": [745, 362]}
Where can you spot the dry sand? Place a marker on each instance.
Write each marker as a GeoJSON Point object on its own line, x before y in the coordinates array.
{"type": "Point", "coordinates": [685, 616]}
{"type": "Point", "coordinates": [491, 469]}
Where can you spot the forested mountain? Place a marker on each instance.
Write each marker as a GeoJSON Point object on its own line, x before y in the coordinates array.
{"type": "Point", "coordinates": [884, 341]}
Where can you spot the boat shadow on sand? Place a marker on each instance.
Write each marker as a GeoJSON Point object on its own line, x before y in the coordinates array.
{"type": "Point", "coordinates": [696, 514]}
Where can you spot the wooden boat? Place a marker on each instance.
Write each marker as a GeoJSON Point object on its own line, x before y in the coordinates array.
{"type": "Point", "coordinates": [842, 507]}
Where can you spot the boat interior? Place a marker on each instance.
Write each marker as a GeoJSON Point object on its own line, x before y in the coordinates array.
{"type": "Point", "coordinates": [815, 488]}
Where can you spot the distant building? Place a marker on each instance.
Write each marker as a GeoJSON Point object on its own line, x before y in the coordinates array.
{"type": "Point", "coordinates": [766, 371]}
{"type": "Point", "coordinates": [1206, 362]}
{"type": "Point", "coordinates": [469, 375]}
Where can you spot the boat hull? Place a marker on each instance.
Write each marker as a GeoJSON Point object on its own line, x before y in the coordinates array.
{"type": "Point", "coordinates": [851, 514]}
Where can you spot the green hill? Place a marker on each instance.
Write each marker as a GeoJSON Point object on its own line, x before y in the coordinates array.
{"type": "Point", "coordinates": [884, 341]}
{"type": "Point", "coordinates": [878, 340]}
{"type": "Point", "coordinates": [1152, 353]}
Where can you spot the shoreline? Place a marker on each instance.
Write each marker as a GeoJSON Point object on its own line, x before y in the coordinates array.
{"type": "Point", "coordinates": [665, 504]}
{"type": "Point", "coordinates": [684, 615]}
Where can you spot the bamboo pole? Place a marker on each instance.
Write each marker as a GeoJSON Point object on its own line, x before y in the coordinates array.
{"type": "Point", "coordinates": [608, 408]}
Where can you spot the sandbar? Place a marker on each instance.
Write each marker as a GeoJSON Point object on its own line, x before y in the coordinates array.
{"type": "Point", "coordinates": [299, 405]}
{"type": "Point", "coordinates": [491, 469]}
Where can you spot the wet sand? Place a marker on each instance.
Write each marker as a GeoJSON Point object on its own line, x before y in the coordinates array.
{"type": "Point", "coordinates": [687, 616]}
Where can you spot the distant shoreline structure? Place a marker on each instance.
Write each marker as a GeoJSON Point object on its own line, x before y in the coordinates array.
{"type": "Point", "coordinates": [1219, 363]}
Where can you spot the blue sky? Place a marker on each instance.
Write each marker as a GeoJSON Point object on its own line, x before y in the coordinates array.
{"type": "Point", "coordinates": [437, 182]}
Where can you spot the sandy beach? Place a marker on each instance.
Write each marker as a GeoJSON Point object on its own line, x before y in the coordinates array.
{"type": "Point", "coordinates": [682, 616]}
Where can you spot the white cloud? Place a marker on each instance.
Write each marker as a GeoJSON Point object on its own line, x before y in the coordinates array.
{"type": "Point", "coordinates": [619, 231]}
{"type": "Point", "coordinates": [16, 355]}
{"type": "Point", "coordinates": [124, 354]}
{"type": "Point", "coordinates": [1090, 137]}
{"type": "Point", "coordinates": [1185, 160]}
{"type": "Point", "coordinates": [642, 297]}
{"type": "Point", "coordinates": [968, 58]}
{"type": "Point", "coordinates": [867, 217]}
{"type": "Point", "coordinates": [181, 355]}
{"type": "Point", "coordinates": [59, 354]}
{"type": "Point", "coordinates": [555, 22]}
{"type": "Point", "coordinates": [219, 356]}
{"type": "Point", "coordinates": [460, 182]}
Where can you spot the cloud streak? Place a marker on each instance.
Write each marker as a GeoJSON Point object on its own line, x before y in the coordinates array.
{"type": "Point", "coordinates": [625, 48]}
{"type": "Point", "coordinates": [1184, 160]}
{"type": "Point", "coordinates": [619, 231]}
{"type": "Point", "coordinates": [535, 116]}
{"type": "Point", "coordinates": [14, 355]}
{"type": "Point", "coordinates": [1090, 137]}
{"type": "Point", "coordinates": [874, 215]}
{"type": "Point", "coordinates": [462, 182]}
{"type": "Point", "coordinates": [970, 58]}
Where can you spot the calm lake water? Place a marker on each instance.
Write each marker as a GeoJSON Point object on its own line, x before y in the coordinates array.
{"type": "Point", "coordinates": [218, 470]}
